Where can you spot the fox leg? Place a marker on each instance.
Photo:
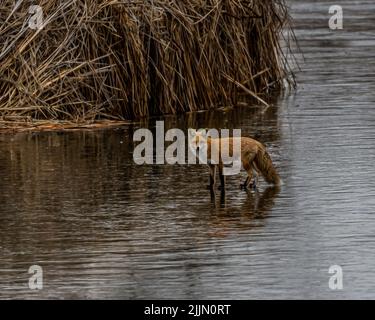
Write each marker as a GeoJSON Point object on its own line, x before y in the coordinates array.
{"type": "Point", "coordinates": [243, 185]}
{"type": "Point", "coordinates": [249, 182]}
{"type": "Point", "coordinates": [212, 176]}
{"type": "Point", "coordinates": [249, 171]}
{"type": "Point", "coordinates": [255, 182]}
{"type": "Point", "coordinates": [222, 178]}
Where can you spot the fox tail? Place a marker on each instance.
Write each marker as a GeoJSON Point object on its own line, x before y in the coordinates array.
{"type": "Point", "coordinates": [264, 164]}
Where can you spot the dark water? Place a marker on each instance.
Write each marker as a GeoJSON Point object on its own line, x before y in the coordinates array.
{"type": "Point", "coordinates": [102, 227]}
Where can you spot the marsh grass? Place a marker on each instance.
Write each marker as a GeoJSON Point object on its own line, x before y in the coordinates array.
{"type": "Point", "coordinates": [120, 60]}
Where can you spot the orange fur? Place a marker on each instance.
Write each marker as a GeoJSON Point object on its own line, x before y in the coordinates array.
{"type": "Point", "coordinates": [254, 157]}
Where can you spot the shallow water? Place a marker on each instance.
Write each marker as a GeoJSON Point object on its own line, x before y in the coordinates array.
{"type": "Point", "coordinates": [102, 227]}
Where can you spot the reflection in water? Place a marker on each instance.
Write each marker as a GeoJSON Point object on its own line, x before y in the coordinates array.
{"type": "Point", "coordinates": [257, 204]}
{"type": "Point", "coordinates": [102, 227]}
{"type": "Point", "coordinates": [225, 214]}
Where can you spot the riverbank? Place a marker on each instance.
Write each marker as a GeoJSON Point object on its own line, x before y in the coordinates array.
{"type": "Point", "coordinates": [57, 125]}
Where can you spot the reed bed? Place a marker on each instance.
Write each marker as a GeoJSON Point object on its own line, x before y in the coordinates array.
{"type": "Point", "coordinates": [109, 59]}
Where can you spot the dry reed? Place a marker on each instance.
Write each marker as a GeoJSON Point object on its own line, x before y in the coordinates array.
{"type": "Point", "coordinates": [96, 59]}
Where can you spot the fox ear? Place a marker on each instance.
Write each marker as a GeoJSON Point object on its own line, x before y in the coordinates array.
{"type": "Point", "coordinates": [192, 133]}
{"type": "Point", "coordinates": [203, 132]}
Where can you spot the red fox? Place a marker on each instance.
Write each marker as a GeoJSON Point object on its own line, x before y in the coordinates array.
{"type": "Point", "coordinates": [253, 155]}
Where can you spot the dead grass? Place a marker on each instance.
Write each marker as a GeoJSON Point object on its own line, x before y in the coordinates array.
{"type": "Point", "coordinates": [120, 60]}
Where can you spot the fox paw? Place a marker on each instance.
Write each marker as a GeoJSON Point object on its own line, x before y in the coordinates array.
{"type": "Point", "coordinates": [249, 186]}
{"type": "Point", "coordinates": [252, 186]}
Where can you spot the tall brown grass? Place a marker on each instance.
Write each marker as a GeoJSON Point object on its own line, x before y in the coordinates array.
{"type": "Point", "coordinates": [112, 59]}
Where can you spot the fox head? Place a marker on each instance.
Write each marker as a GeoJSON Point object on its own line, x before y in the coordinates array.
{"type": "Point", "coordinates": [198, 138]}
{"type": "Point", "coordinates": [198, 142]}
